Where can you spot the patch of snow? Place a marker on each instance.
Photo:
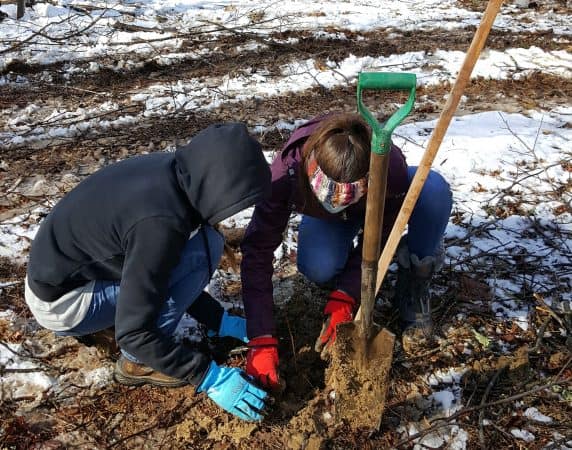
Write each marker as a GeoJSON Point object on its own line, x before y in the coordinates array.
{"type": "Point", "coordinates": [99, 377]}
{"type": "Point", "coordinates": [447, 400]}
{"type": "Point", "coordinates": [25, 384]}
{"type": "Point", "coordinates": [523, 435]}
{"type": "Point", "coordinates": [537, 416]}
{"type": "Point", "coordinates": [453, 436]}
{"type": "Point", "coordinates": [450, 375]}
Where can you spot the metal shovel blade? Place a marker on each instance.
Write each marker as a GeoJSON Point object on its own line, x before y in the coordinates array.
{"type": "Point", "coordinates": [362, 355]}
{"type": "Point", "coordinates": [359, 374]}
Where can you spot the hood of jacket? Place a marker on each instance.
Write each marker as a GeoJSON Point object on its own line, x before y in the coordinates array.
{"type": "Point", "coordinates": [222, 171]}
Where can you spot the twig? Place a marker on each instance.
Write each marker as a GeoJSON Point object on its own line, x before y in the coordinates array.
{"type": "Point", "coordinates": [31, 357]}
{"type": "Point", "coordinates": [341, 75]}
{"type": "Point", "coordinates": [68, 121]}
{"type": "Point", "coordinates": [507, 191]}
{"type": "Point", "coordinates": [67, 86]}
{"type": "Point", "coordinates": [292, 343]}
{"type": "Point", "coordinates": [6, 284]}
{"type": "Point", "coordinates": [294, 353]}
{"type": "Point", "coordinates": [539, 336]}
{"type": "Point", "coordinates": [496, 427]}
{"type": "Point", "coordinates": [549, 310]}
{"type": "Point", "coordinates": [63, 38]}
{"type": "Point", "coordinates": [437, 422]}
{"type": "Point", "coordinates": [150, 427]}
{"type": "Point", "coordinates": [5, 370]}
{"type": "Point", "coordinates": [122, 26]}
{"type": "Point", "coordinates": [524, 144]}
{"type": "Point", "coordinates": [483, 401]}
{"type": "Point", "coordinates": [424, 354]}
{"type": "Point", "coordinates": [15, 185]}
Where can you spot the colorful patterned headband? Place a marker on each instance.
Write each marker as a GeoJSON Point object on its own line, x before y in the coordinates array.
{"type": "Point", "coordinates": [331, 192]}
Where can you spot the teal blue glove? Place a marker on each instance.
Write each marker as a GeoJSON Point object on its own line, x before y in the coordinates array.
{"type": "Point", "coordinates": [231, 389]}
{"type": "Point", "coordinates": [231, 326]}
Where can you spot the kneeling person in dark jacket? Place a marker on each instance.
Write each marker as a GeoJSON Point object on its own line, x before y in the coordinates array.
{"type": "Point", "coordinates": [133, 246]}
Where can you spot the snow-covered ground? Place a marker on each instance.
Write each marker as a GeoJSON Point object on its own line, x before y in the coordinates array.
{"type": "Point", "coordinates": [162, 22]}
{"type": "Point", "coordinates": [490, 158]}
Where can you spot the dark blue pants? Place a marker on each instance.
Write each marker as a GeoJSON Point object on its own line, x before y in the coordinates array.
{"type": "Point", "coordinates": [187, 281]}
{"type": "Point", "coordinates": [324, 246]}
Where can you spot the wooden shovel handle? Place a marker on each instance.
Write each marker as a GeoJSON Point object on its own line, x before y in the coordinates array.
{"type": "Point", "coordinates": [377, 186]}
{"type": "Point", "coordinates": [435, 140]}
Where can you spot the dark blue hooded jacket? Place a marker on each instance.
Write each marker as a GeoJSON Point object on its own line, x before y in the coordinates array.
{"type": "Point", "coordinates": [130, 222]}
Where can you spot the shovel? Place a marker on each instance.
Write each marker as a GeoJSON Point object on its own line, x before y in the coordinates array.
{"type": "Point", "coordinates": [355, 398]}
{"type": "Point", "coordinates": [362, 354]}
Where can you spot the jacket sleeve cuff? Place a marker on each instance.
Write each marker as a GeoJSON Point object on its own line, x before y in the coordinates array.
{"type": "Point", "coordinates": [207, 310]}
{"type": "Point", "coordinates": [197, 376]}
{"type": "Point", "coordinates": [266, 341]}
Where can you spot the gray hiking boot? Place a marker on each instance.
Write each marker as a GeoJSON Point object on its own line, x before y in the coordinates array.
{"type": "Point", "coordinates": [413, 298]}
{"type": "Point", "coordinates": [134, 374]}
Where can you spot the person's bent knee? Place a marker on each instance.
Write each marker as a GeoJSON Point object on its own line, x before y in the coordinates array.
{"type": "Point", "coordinates": [436, 183]}
{"type": "Point", "coordinates": [320, 272]}
{"type": "Point", "coordinates": [436, 194]}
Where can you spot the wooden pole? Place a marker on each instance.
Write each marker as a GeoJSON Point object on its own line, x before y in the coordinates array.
{"type": "Point", "coordinates": [377, 186]}
{"type": "Point", "coordinates": [436, 138]}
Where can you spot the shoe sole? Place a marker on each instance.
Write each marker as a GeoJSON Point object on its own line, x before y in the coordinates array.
{"type": "Point", "coordinates": [130, 381]}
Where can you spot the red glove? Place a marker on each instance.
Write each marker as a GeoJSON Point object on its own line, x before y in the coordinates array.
{"type": "Point", "coordinates": [262, 362]}
{"type": "Point", "coordinates": [339, 309]}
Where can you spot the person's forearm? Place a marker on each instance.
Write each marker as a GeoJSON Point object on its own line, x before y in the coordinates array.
{"type": "Point", "coordinates": [349, 280]}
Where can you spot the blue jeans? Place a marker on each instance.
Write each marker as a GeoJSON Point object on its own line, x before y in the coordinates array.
{"type": "Point", "coordinates": [324, 246]}
{"type": "Point", "coordinates": [187, 281]}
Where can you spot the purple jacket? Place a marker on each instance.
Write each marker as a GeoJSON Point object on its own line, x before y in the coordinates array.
{"type": "Point", "coordinates": [270, 218]}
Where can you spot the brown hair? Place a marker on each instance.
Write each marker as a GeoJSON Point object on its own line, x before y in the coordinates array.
{"type": "Point", "coordinates": [341, 146]}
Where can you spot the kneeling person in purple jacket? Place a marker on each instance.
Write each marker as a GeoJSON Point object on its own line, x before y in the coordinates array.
{"type": "Point", "coordinates": [321, 173]}
{"type": "Point", "coordinates": [133, 246]}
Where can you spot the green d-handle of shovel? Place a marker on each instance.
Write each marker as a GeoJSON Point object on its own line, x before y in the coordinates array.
{"type": "Point", "coordinates": [381, 135]}
{"type": "Point", "coordinates": [377, 184]}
